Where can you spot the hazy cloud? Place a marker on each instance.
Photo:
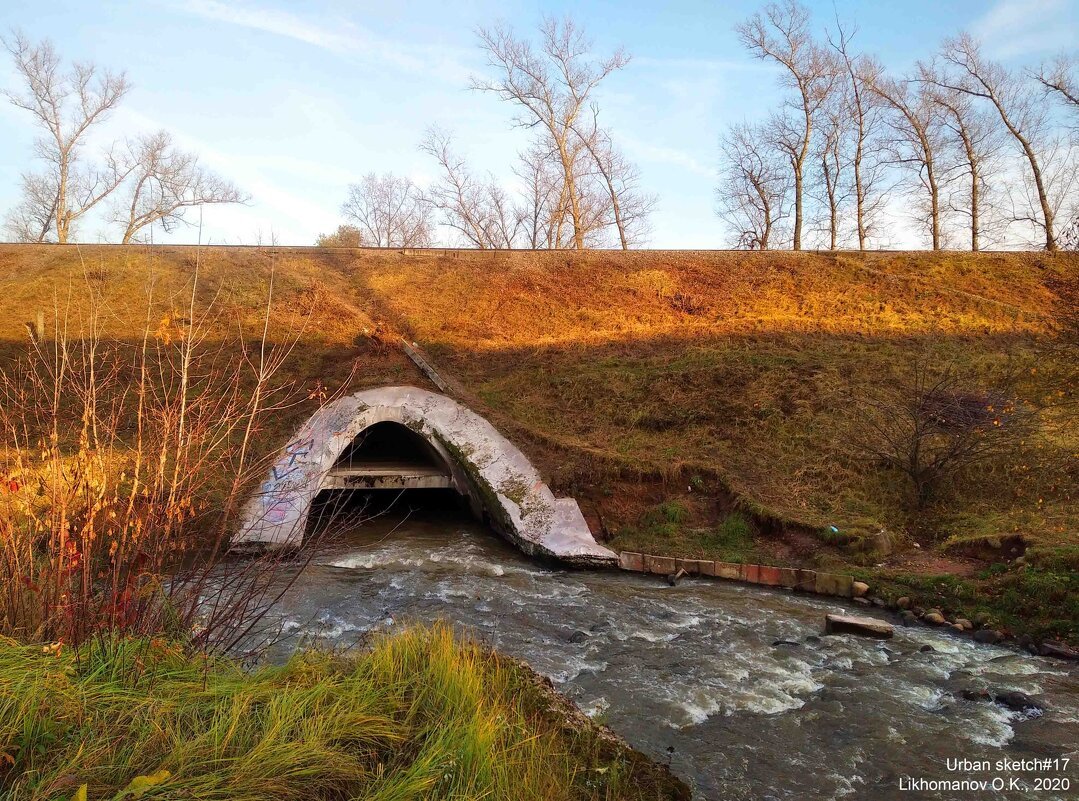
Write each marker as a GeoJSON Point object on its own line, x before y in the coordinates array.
{"type": "Point", "coordinates": [1021, 27]}
{"type": "Point", "coordinates": [343, 37]}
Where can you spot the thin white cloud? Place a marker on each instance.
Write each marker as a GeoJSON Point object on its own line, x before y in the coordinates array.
{"type": "Point", "coordinates": [645, 151]}
{"type": "Point", "coordinates": [282, 23]}
{"type": "Point", "coordinates": [342, 37]}
{"type": "Point", "coordinates": [1014, 28]}
{"type": "Point", "coordinates": [705, 64]}
{"type": "Point", "coordinates": [295, 217]}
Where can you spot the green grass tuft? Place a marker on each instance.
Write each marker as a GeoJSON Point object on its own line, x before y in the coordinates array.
{"type": "Point", "coordinates": [423, 715]}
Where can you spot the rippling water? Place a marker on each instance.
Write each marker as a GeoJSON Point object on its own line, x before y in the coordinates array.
{"type": "Point", "coordinates": [690, 673]}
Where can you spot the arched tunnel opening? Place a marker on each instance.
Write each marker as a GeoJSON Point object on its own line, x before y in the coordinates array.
{"type": "Point", "coordinates": [388, 472]}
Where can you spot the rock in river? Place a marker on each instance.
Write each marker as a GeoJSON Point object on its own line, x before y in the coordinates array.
{"type": "Point", "coordinates": [863, 626]}
{"type": "Point", "coordinates": [1017, 701]}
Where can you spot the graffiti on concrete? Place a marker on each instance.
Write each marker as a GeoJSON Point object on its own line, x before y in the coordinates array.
{"type": "Point", "coordinates": [522, 506]}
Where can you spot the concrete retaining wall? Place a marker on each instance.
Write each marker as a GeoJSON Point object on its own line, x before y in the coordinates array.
{"type": "Point", "coordinates": [793, 578]}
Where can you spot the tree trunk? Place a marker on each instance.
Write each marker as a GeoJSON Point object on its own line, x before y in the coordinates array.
{"type": "Point", "coordinates": [1043, 198]}
{"type": "Point", "coordinates": [574, 201]}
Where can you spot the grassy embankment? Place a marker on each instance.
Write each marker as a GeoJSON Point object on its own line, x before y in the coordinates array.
{"type": "Point", "coordinates": [702, 404]}
{"type": "Point", "coordinates": [118, 457]}
{"type": "Point", "coordinates": [422, 715]}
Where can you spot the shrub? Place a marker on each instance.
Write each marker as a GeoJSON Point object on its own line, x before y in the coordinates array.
{"type": "Point", "coordinates": [122, 465]}
{"type": "Point", "coordinates": [932, 425]}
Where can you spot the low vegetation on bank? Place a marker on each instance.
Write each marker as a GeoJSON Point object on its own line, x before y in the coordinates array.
{"type": "Point", "coordinates": [420, 715]}
{"type": "Point", "coordinates": [738, 406]}
{"type": "Point", "coordinates": [126, 639]}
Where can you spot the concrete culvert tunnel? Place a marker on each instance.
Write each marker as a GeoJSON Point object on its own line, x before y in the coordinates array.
{"type": "Point", "coordinates": [393, 440]}
{"type": "Point", "coordinates": [387, 467]}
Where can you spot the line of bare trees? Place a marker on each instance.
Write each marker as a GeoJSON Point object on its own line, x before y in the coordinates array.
{"type": "Point", "coordinates": [978, 154]}
{"type": "Point", "coordinates": [575, 188]}
{"type": "Point", "coordinates": [147, 180]}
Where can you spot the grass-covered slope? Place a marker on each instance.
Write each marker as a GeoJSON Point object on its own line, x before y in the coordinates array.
{"type": "Point", "coordinates": [695, 403]}
{"type": "Point", "coordinates": [422, 715]}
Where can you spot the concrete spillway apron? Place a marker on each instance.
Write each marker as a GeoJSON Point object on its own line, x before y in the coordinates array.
{"type": "Point", "coordinates": [484, 465]}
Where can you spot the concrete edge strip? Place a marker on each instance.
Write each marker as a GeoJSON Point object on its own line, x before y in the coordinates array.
{"type": "Point", "coordinates": [811, 581]}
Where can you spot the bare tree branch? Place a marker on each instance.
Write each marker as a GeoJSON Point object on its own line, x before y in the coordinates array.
{"type": "Point", "coordinates": [390, 211]}
{"type": "Point", "coordinates": [165, 183]}
{"type": "Point", "coordinates": [66, 105]}
{"type": "Point", "coordinates": [782, 35]}
{"type": "Point", "coordinates": [550, 88]}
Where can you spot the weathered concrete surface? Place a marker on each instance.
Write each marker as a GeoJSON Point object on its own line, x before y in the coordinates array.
{"type": "Point", "coordinates": [862, 626]}
{"type": "Point", "coordinates": [485, 466]}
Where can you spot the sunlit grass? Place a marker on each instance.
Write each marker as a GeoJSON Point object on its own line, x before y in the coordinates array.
{"type": "Point", "coordinates": [421, 715]}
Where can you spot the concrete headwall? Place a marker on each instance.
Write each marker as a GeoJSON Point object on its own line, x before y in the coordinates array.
{"type": "Point", "coordinates": [485, 466]}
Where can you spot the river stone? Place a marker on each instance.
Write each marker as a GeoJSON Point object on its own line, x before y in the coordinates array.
{"type": "Point", "coordinates": [927, 649]}
{"type": "Point", "coordinates": [862, 626]}
{"type": "Point", "coordinates": [577, 637]}
{"type": "Point", "coordinates": [861, 601]}
{"type": "Point", "coordinates": [903, 603]}
{"type": "Point", "coordinates": [859, 588]}
{"type": "Point", "coordinates": [1017, 701]}
{"type": "Point", "coordinates": [964, 623]}
{"type": "Point", "coordinates": [1058, 650]}
{"type": "Point", "coordinates": [988, 636]}
{"type": "Point", "coordinates": [934, 618]}
{"type": "Point", "coordinates": [908, 617]}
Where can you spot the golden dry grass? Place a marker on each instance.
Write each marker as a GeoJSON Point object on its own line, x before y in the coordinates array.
{"type": "Point", "coordinates": [721, 378]}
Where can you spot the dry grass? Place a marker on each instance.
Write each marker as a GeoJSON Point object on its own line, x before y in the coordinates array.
{"type": "Point", "coordinates": [715, 378]}
{"type": "Point", "coordinates": [422, 715]}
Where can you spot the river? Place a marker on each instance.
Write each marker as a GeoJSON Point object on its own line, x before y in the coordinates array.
{"type": "Point", "coordinates": [692, 674]}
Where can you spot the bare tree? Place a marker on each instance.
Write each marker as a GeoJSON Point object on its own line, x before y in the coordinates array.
{"type": "Point", "coordinates": [165, 183]}
{"type": "Point", "coordinates": [782, 35]}
{"type": "Point", "coordinates": [864, 109]}
{"type": "Point", "coordinates": [543, 194]}
{"type": "Point", "coordinates": [551, 87]}
{"type": "Point", "coordinates": [480, 211]}
{"type": "Point", "coordinates": [630, 207]}
{"type": "Point", "coordinates": [976, 133]}
{"type": "Point", "coordinates": [752, 195]}
{"type": "Point", "coordinates": [917, 143]}
{"type": "Point", "coordinates": [1019, 111]}
{"type": "Point", "coordinates": [66, 105]}
{"type": "Point", "coordinates": [833, 162]}
{"type": "Point", "coordinates": [32, 220]}
{"type": "Point", "coordinates": [390, 212]}
{"type": "Point", "coordinates": [1059, 79]}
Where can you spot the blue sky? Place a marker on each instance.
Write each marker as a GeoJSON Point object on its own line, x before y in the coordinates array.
{"type": "Point", "coordinates": [293, 101]}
